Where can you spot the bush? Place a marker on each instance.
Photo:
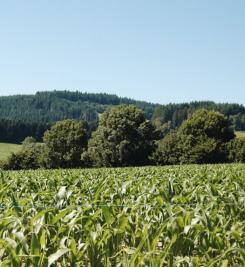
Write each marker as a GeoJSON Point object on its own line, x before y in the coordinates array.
{"type": "Point", "coordinates": [29, 140]}
{"type": "Point", "coordinates": [200, 139]}
{"type": "Point", "coordinates": [201, 150]}
{"type": "Point", "coordinates": [168, 151]}
{"type": "Point", "coordinates": [27, 158]}
{"type": "Point", "coordinates": [64, 143]}
{"type": "Point", "coordinates": [236, 150]}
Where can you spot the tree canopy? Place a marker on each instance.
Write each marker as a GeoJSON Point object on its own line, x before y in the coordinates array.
{"type": "Point", "coordinates": [64, 143]}
{"type": "Point", "coordinates": [200, 139]}
{"type": "Point", "coordinates": [210, 124]}
{"type": "Point", "coordinates": [32, 115]}
{"type": "Point", "coordinates": [123, 138]}
{"type": "Point", "coordinates": [52, 106]}
{"type": "Point", "coordinates": [173, 115]}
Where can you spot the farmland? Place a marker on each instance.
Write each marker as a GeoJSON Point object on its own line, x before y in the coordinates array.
{"type": "Point", "coordinates": [240, 134]}
{"type": "Point", "coordinates": [151, 216]}
{"type": "Point", "coordinates": [6, 149]}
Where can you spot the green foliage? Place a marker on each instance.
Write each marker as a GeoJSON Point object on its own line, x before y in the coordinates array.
{"type": "Point", "coordinates": [123, 138]}
{"type": "Point", "coordinates": [200, 139]}
{"type": "Point", "coordinates": [168, 150]}
{"type": "Point", "coordinates": [238, 120]}
{"type": "Point", "coordinates": [164, 216]}
{"type": "Point", "coordinates": [26, 158]}
{"type": "Point", "coordinates": [210, 124]}
{"type": "Point", "coordinates": [236, 150]}
{"type": "Point", "coordinates": [203, 137]}
{"type": "Point", "coordinates": [64, 143]}
{"type": "Point", "coordinates": [29, 140]}
{"type": "Point", "coordinates": [49, 107]}
{"type": "Point", "coordinates": [175, 114]}
{"type": "Point", "coordinates": [6, 149]}
{"type": "Point", "coordinates": [32, 115]}
{"type": "Point", "coordinates": [15, 131]}
{"type": "Point", "coordinates": [201, 149]}
{"type": "Point", "coordinates": [163, 129]}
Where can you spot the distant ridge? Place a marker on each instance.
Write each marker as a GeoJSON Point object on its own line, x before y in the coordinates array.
{"type": "Point", "coordinates": [50, 106]}
{"type": "Point", "coordinates": [32, 115]}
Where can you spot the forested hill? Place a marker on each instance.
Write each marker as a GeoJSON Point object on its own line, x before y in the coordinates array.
{"type": "Point", "coordinates": [172, 115]}
{"type": "Point", "coordinates": [31, 115]}
{"type": "Point", "coordinates": [48, 107]}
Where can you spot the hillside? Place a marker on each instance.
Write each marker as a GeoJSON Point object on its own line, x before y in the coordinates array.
{"type": "Point", "coordinates": [175, 114]}
{"type": "Point", "coordinates": [32, 115]}
{"type": "Point", "coordinates": [48, 107]}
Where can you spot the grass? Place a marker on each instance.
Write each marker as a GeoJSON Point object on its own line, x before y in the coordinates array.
{"type": "Point", "coordinates": [240, 134]}
{"type": "Point", "coordinates": [6, 149]}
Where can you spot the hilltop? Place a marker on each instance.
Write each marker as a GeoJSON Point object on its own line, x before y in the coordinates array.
{"type": "Point", "coordinates": [48, 107]}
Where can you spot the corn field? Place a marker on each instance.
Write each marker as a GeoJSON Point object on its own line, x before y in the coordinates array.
{"type": "Point", "coordinates": [151, 216]}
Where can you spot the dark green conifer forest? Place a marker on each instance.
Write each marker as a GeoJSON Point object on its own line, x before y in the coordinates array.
{"type": "Point", "coordinates": [32, 115]}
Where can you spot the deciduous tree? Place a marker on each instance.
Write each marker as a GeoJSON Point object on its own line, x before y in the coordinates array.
{"type": "Point", "coordinates": [123, 138]}
{"type": "Point", "coordinates": [64, 143]}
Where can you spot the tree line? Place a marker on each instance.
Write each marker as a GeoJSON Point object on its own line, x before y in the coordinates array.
{"type": "Point", "coordinates": [49, 107]}
{"type": "Point", "coordinates": [32, 115]}
{"type": "Point", "coordinates": [15, 131]}
{"type": "Point", "coordinates": [171, 116]}
{"type": "Point", "coordinates": [124, 137]}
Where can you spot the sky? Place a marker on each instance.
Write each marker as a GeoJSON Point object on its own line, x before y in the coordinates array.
{"type": "Point", "coordinates": [158, 51]}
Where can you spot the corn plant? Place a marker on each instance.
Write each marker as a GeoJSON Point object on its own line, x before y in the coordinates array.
{"type": "Point", "coordinates": [151, 216]}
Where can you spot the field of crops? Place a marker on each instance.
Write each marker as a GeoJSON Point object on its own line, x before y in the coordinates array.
{"type": "Point", "coordinates": [154, 216]}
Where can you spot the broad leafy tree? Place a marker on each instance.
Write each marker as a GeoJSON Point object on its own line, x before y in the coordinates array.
{"type": "Point", "coordinates": [208, 123]}
{"type": "Point", "coordinates": [202, 138]}
{"type": "Point", "coordinates": [236, 150]}
{"type": "Point", "coordinates": [123, 138]}
{"type": "Point", "coordinates": [64, 143]}
{"type": "Point", "coordinates": [27, 158]}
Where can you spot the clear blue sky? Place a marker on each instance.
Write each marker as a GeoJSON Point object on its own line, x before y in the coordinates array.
{"type": "Point", "coordinates": [159, 51]}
